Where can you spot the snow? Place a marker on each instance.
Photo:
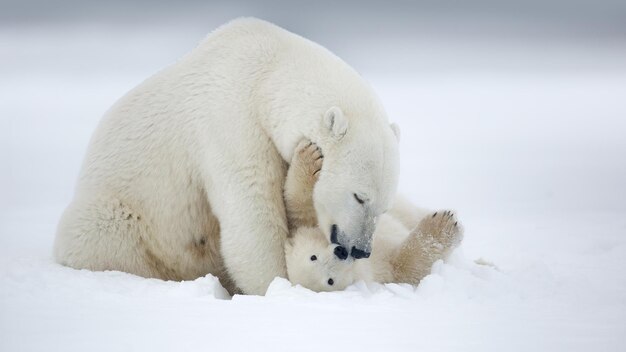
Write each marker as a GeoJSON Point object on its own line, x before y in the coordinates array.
{"type": "Point", "coordinates": [528, 149]}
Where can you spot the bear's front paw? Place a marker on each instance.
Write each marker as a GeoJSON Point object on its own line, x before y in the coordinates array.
{"type": "Point", "coordinates": [308, 160]}
{"type": "Point", "coordinates": [441, 227]}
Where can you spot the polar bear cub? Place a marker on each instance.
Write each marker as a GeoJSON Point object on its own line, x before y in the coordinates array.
{"type": "Point", "coordinates": [399, 255]}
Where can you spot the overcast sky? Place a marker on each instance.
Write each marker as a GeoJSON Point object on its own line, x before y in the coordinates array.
{"type": "Point", "coordinates": [391, 36]}
{"type": "Point", "coordinates": [594, 18]}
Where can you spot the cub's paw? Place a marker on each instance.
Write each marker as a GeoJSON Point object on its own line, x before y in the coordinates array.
{"type": "Point", "coordinates": [442, 228]}
{"type": "Point", "coordinates": [307, 161]}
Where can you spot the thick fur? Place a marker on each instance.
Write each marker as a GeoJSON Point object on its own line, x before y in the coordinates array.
{"type": "Point", "coordinates": [303, 173]}
{"type": "Point", "coordinates": [184, 175]}
{"type": "Point", "coordinates": [399, 255]}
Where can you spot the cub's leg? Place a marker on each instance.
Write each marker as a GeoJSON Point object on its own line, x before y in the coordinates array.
{"type": "Point", "coordinates": [434, 238]}
{"type": "Point", "coordinates": [303, 172]}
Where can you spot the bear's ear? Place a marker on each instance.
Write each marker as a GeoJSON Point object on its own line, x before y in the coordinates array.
{"type": "Point", "coordinates": [336, 122]}
{"type": "Point", "coordinates": [396, 130]}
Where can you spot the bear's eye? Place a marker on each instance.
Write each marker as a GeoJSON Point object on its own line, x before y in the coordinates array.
{"type": "Point", "coordinates": [313, 258]}
{"type": "Point", "coordinates": [361, 201]}
{"type": "Point", "coordinates": [331, 282]}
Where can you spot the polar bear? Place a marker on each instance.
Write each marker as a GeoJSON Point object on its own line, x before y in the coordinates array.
{"type": "Point", "coordinates": [184, 174]}
{"type": "Point", "coordinates": [399, 255]}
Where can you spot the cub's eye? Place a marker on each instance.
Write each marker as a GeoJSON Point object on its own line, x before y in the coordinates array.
{"type": "Point", "coordinates": [361, 201]}
{"type": "Point", "coordinates": [331, 282]}
{"type": "Point", "coordinates": [313, 258]}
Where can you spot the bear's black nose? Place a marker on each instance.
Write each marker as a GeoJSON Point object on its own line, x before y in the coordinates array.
{"type": "Point", "coordinates": [341, 252]}
{"type": "Point", "coordinates": [359, 254]}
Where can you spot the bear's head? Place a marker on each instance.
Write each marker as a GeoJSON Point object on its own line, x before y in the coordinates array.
{"type": "Point", "coordinates": [312, 263]}
{"type": "Point", "coordinates": [358, 180]}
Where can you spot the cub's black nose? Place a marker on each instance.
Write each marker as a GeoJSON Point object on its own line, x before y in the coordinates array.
{"type": "Point", "coordinates": [359, 254]}
{"type": "Point", "coordinates": [341, 252]}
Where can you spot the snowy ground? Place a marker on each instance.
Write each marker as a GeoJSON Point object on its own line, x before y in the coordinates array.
{"type": "Point", "coordinates": [525, 141]}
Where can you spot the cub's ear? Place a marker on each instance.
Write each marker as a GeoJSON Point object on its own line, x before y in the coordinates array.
{"type": "Point", "coordinates": [336, 122]}
{"type": "Point", "coordinates": [396, 130]}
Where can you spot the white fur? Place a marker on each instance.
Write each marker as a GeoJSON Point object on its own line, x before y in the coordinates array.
{"type": "Point", "coordinates": [389, 235]}
{"type": "Point", "coordinates": [309, 243]}
{"type": "Point", "coordinates": [184, 174]}
{"type": "Point", "coordinates": [400, 254]}
{"type": "Point", "coordinates": [359, 161]}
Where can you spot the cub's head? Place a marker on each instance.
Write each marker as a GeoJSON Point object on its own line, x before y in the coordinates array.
{"type": "Point", "coordinates": [313, 263]}
{"type": "Point", "coordinates": [358, 180]}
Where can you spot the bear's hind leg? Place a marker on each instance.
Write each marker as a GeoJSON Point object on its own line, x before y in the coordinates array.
{"type": "Point", "coordinates": [103, 233]}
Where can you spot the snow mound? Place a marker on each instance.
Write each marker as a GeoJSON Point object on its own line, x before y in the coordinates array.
{"type": "Point", "coordinates": [458, 278]}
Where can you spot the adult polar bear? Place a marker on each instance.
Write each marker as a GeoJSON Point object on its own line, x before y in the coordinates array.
{"type": "Point", "coordinates": [184, 174]}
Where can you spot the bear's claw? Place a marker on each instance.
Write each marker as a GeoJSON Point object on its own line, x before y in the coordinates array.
{"type": "Point", "coordinates": [309, 157]}
{"type": "Point", "coordinates": [442, 227]}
